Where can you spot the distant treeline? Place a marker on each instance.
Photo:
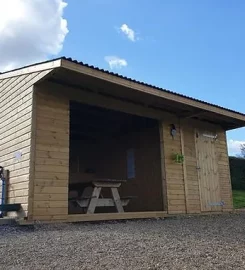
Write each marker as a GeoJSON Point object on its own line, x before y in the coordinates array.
{"type": "Point", "coordinates": [237, 167]}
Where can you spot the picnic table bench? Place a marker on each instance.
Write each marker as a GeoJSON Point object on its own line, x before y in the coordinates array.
{"type": "Point", "coordinates": [95, 199]}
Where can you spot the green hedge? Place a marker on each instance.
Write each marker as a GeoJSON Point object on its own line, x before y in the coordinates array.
{"type": "Point", "coordinates": [237, 167]}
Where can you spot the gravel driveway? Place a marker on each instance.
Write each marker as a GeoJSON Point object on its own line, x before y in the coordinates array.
{"type": "Point", "coordinates": [216, 242]}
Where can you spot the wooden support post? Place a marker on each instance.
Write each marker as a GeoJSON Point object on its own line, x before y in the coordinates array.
{"type": "Point", "coordinates": [184, 165]}
{"type": "Point", "coordinates": [164, 184]}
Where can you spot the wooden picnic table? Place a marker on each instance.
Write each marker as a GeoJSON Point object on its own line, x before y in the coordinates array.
{"type": "Point", "coordinates": [94, 200]}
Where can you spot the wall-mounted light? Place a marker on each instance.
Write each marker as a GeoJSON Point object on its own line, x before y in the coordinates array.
{"type": "Point", "coordinates": [173, 130]}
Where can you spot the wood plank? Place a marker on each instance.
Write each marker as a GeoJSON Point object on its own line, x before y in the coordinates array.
{"type": "Point", "coordinates": [94, 200]}
{"type": "Point", "coordinates": [47, 218]}
{"type": "Point", "coordinates": [175, 192]}
{"type": "Point", "coordinates": [117, 200]}
{"type": "Point", "coordinates": [22, 200]}
{"type": "Point", "coordinates": [19, 179]}
{"type": "Point", "coordinates": [177, 208]}
{"type": "Point", "coordinates": [172, 202]}
{"type": "Point", "coordinates": [12, 102]}
{"type": "Point", "coordinates": [46, 147]}
{"type": "Point", "coordinates": [95, 217]}
{"type": "Point", "coordinates": [18, 186]}
{"type": "Point", "coordinates": [13, 161]}
{"type": "Point", "coordinates": [52, 128]}
{"type": "Point", "coordinates": [14, 148]}
{"type": "Point", "coordinates": [175, 187]}
{"type": "Point", "coordinates": [18, 106]}
{"type": "Point", "coordinates": [52, 141]}
{"type": "Point", "coordinates": [209, 179]}
{"type": "Point", "coordinates": [182, 140]}
{"type": "Point", "coordinates": [51, 175]}
{"type": "Point", "coordinates": [51, 197]}
{"type": "Point", "coordinates": [15, 137]}
{"type": "Point", "coordinates": [24, 150]}
{"type": "Point", "coordinates": [52, 155]}
{"type": "Point", "coordinates": [18, 127]}
{"type": "Point", "coordinates": [47, 134]}
{"type": "Point", "coordinates": [52, 168]}
{"type": "Point", "coordinates": [9, 118]}
{"type": "Point", "coordinates": [50, 211]}
{"type": "Point", "coordinates": [18, 193]}
{"type": "Point", "coordinates": [102, 202]}
{"type": "Point", "coordinates": [18, 166]}
{"type": "Point", "coordinates": [51, 190]}
{"type": "Point", "coordinates": [51, 161]}
{"type": "Point", "coordinates": [115, 216]}
{"type": "Point", "coordinates": [50, 204]}
{"type": "Point", "coordinates": [15, 88]}
{"type": "Point", "coordinates": [53, 121]}
{"type": "Point", "coordinates": [50, 183]}
{"type": "Point", "coordinates": [47, 110]}
{"type": "Point", "coordinates": [110, 103]}
{"type": "Point", "coordinates": [20, 172]}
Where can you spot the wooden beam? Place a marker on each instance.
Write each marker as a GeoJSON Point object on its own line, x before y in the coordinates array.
{"type": "Point", "coordinates": [191, 114]}
{"type": "Point", "coordinates": [184, 165]}
{"type": "Point", "coordinates": [101, 101]}
{"type": "Point", "coordinates": [115, 216]}
{"type": "Point", "coordinates": [163, 170]}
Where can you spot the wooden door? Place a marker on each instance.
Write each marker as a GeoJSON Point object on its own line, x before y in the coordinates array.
{"type": "Point", "coordinates": [207, 166]}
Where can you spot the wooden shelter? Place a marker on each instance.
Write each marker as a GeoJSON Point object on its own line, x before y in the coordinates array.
{"type": "Point", "coordinates": [65, 124]}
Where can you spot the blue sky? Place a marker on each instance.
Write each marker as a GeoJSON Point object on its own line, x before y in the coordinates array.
{"type": "Point", "coordinates": [191, 47]}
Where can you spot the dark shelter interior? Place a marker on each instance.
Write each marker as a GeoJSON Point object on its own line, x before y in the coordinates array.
{"type": "Point", "coordinates": [107, 144]}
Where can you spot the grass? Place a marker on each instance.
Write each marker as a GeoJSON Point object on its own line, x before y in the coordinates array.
{"type": "Point", "coordinates": [239, 198]}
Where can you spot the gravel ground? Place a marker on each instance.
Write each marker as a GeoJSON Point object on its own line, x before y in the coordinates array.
{"type": "Point", "coordinates": [216, 242]}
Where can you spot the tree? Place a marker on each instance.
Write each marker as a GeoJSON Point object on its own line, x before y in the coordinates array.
{"type": "Point", "coordinates": [243, 150]}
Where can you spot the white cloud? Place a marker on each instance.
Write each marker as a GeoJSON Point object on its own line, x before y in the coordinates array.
{"type": "Point", "coordinates": [128, 32]}
{"type": "Point", "coordinates": [234, 147]}
{"type": "Point", "coordinates": [30, 31]}
{"type": "Point", "coordinates": [115, 62]}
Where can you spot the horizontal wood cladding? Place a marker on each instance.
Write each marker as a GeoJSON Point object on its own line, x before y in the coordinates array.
{"type": "Point", "coordinates": [16, 105]}
{"type": "Point", "coordinates": [224, 171]}
{"type": "Point", "coordinates": [174, 174]}
{"type": "Point", "coordinates": [190, 163]}
{"type": "Point", "coordinates": [50, 186]}
{"type": "Point", "coordinates": [182, 182]}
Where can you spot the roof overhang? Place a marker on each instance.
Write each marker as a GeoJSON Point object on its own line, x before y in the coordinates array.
{"type": "Point", "coordinates": [77, 75]}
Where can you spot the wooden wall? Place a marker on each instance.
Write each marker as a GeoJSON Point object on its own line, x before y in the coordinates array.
{"type": "Point", "coordinates": [146, 185]}
{"type": "Point", "coordinates": [182, 181]}
{"type": "Point", "coordinates": [224, 171]}
{"type": "Point", "coordinates": [108, 158]}
{"type": "Point", "coordinates": [190, 164]}
{"type": "Point", "coordinates": [50, 185]}
{"type": "Point", "coordinates": [173, 172]}
{"type": "Point", "coordinates": [16, 112]}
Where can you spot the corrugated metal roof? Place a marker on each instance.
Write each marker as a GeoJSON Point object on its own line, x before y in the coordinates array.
{"type": "Point", "coordinates": [129, 79]}
{"type": "Point", "coordinates": [149, 85]}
